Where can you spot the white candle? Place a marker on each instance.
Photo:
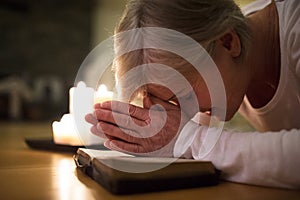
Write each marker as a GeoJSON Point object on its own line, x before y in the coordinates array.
{"type": "Point", "coordinates": [81, 103]}
{"type": "Point", "coordinates": [73, 129]}
{"type": "Point", "coordinates": [65, 132]}
{"type": "Point", "coordinates": [102, 94]}
{"type": "Point", "coordinates": [81, 99]}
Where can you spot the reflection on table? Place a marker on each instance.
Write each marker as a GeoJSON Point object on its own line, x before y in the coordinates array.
{"type": "Point", "coordinates": [32, 174]}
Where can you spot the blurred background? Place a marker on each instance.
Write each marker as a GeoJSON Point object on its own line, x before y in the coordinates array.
{"type": "Point", "coordinates": [42, 45]}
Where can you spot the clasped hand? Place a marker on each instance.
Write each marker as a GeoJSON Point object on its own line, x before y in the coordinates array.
{"type": "Point", "coordinates": [151, 130]}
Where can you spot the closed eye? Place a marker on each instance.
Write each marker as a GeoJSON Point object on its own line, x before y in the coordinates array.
{"type": "Point", "coordinates": [173, 100]}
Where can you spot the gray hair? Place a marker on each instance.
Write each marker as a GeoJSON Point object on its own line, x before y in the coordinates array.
{"type": "Point", "coordinates": [202, 20]}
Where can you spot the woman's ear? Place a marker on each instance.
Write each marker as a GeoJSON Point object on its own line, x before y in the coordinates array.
{"type": "Point", "coordinates": [231, 42]}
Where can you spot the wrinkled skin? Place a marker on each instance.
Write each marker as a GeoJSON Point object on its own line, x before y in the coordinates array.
{"type": "Point", "coordinates": [132, 133]}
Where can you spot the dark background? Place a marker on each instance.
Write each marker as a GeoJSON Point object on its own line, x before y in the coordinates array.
{"type": "Point", "coordinates": [43, 40]}
{"type": "Point", "coordinates": [46, 41]}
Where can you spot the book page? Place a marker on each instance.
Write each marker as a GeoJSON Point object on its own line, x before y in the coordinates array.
{"type": "Point", "coordinates": [116, 155]}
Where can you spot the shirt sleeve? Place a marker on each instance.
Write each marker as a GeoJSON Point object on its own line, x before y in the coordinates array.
{"type": "Point", "coordinates": [266, 159]}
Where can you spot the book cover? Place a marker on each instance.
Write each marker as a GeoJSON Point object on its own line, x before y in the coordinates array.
{"type": "Point", "coordinates": [122, 173]}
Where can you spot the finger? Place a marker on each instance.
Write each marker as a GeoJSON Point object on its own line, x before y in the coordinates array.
{"type": "Point", "coordinates": [115, 132]}
{"type": "Point", "coordinates": [101, 134]}
{"type": "Point", "coordinates": [167, 105]}
{"type": "Point", "coordinates": [125, 108]}
{"type": "Point", "coordinates": [90, 118]}
{"type": "Point", "coordinates": [147, 103]}
{"type": "Point", "coordinates": [119, 145]}
{"type": "Point", "coordinates": [108, 144]}
{"type": "Point", "coordinates": [150, 104]}
{"type": "Point", "coordinates": [119, 119]}
{"type": "Point", "coordinates": [97, 106]}
{"type": "Point", "coordinates": [96, 132]}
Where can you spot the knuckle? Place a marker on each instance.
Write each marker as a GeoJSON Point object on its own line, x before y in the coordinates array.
{"type": "Point", "coordinates": [132, 110]}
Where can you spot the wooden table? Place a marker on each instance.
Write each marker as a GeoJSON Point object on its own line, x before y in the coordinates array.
{"type": "Point", "coordinates": [32, 174]}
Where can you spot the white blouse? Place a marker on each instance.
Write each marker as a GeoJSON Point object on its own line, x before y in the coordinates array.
{"type": "Point", "coordinates": [283, 111]}
{"type": "Point", "coordinates": [271, 158]}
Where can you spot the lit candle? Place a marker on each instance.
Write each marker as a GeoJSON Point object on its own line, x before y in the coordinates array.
{"type": "Point", "coordinates": [73, 129]}
{"type": "Point", "coordinates": [65, 132]}
{"type": "Point", "coordinates": [81, 99]}
{"type": "Point", "coordinates": [102, 94]}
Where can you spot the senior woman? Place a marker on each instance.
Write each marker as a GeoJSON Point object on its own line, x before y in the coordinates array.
{"type": "Point", "coordinates": [257, 53]}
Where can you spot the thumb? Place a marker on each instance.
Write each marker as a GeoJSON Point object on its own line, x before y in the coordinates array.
{"type": "Point", "coordinates": [147, 102]}
{"type": "Point", "coordinates": [167, 105]}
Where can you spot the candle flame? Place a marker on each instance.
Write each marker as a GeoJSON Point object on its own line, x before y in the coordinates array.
{"type": "Point", "coordinates": [102, 88]}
